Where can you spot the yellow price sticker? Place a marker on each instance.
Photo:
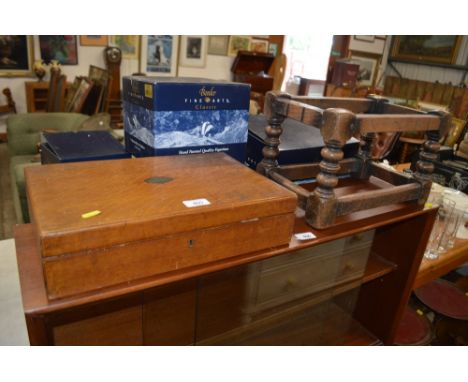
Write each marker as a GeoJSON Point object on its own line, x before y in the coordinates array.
{"type": "Point", "coordinates": [90, 214]}
{"type": "Point", "coordinates": [149, 90]}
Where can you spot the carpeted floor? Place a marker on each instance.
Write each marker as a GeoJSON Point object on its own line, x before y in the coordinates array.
{"type": "Point", "coordinates": [7, 211]}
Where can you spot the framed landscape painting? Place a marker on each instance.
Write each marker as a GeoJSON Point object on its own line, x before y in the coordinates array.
{"type": "Point", "coordinates": [159, 55]}
{"type": "Point", "coordinates": [128, 44]}
{"type": "Point", "coordinates": [237, 43]}
{"type": "Point", "coordinates": [426, 49]}
{"type": "Point", "coordinates": [16, 56]}
{"type": "Point", "coordinates": [60, 48]}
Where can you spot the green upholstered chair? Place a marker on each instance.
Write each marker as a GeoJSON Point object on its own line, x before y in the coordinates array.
{"type": "Point", "coordinates": [23, 131]}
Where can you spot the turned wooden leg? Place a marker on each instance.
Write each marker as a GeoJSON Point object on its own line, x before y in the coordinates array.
{"type": "Point", "coordinates": [429, 154]}
{"type": "Point", "coordinates": [365, 155]}
{"type": "Point", "coordinates": [276, 115]}
{"type": "Point", "coordinates": [336, 131]}
{"type": "Point", "coordinates": [425, 165]}
{"type": "Point", "coordinates": [272, 141]}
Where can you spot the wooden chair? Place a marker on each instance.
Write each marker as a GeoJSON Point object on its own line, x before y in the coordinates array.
{"type": "Point", "coordinates": [9, 108]}
{"type": "Point", "coordinates": [278, 71]}
{"type": "Point", "coordinates": [340, 119]}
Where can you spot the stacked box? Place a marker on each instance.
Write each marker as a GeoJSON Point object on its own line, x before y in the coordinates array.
{"type": "Point", "coordinates": [179, 116]}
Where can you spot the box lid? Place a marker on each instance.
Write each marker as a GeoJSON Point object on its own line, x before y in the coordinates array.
{"type": "Point", "coordinates": [83, 145]}
{"type": "Point", "coordinates": [252, 62]}
{"type": "Point", "coordinates": [181, 80]}
{"type": "Point", "coordinates": [296, 135]}
{"type": "Point", "coordinates": [143, 198]}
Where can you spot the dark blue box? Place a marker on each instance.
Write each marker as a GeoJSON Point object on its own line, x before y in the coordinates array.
{"type": "Point", "coordinates": [300, 143]}
{"type": "Point", "coordinates": [178, 116]}
{"type": "Point", "coordinates": [80, 146]}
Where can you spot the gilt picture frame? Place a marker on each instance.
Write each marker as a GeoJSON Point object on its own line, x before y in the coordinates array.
{"type": "Point", "coordinates": [237, 43]}
{"type": "Point", "coordinates": [260, 46]}
{"type": "Point", "coordinates": [426, 49]}
{"type": "Point", "coordinates": [159, 55]}
{"type": "Point", "coordinates": [94, 40]}
{"type": "Point", "coordinates": [16, 56]}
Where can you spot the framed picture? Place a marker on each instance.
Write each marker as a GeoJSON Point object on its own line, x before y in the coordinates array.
{"type": "Point", "coordinates": [60, 48]}
{"type": "Point", "coordinates": [218, 45]}
{"type": "Point", "coordinates": [158, 55]}
{"type": "Point", "coordinates": [259, 46]}
{"type": "Point", "coordinates": [456, 129]}
{"type": "Point", "coordinates": [98, 74]}
{"type": "Point", "coordinates": [16, 56]}
{"type": "Point", "coordinates": [368, 67]}
{"type": "Point", "coordinates": [128, 44]}
{"type": "Point", "coordinates": [193, 51]}
{"type": "Point", "coordinates": [237, 43]}
{"type": "Point", "coordinates": [273, 49]}
{"type": "Point", "coordinates": [99, 40]}
{"type": "Point", "coordinates": [83, 87]}
{"type": "Point", "coordinates": [426, 49]}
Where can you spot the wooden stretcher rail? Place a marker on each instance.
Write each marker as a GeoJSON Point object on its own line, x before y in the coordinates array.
{"type": "Point", "coordinates": [390, 108]}
{"type": "Point", "coordinates": [356, 105]}
{"type": "Point", "coordinates": [381, 123]}
{"type": "Point", "coordinates": [395, 178]}
{"type": "Point", "coordinates": [376, 198]}
{"type": "Point", "coordinates": [311, 170]}
{"type": "Point", "coordinates": [302, 194]}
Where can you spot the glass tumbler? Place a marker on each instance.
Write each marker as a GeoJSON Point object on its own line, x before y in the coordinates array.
{"type": "Point", "coordinates": [444, 214]}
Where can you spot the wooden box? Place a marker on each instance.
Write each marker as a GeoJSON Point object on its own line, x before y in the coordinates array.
{"type": "Point", "coordinates": [144, 228]}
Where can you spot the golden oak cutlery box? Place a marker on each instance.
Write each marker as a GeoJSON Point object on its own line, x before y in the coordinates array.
{"type": "Point", "coordinates": [103, 223]}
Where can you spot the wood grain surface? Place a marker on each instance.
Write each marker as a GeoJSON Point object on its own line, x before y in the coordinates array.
{"type": "Point", "coordinates": [134, 210]}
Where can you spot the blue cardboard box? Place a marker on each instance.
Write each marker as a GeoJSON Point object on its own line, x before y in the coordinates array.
{"type": "Point", "coordinates": [79, 146]}
{"type": "Point", "coordinates": [179, 116]}
{"type": "Point", "coordinates": [300, 143]}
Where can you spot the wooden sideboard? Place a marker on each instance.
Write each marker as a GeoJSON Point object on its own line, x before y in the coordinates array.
{"type": "Point", "coordinates": [36, 95]}
{"type": "Point", "coordinates": [350, 286]}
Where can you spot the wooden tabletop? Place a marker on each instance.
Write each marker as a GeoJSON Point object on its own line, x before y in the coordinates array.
{"type": "Point", "coordinates": [452, 259]}
{"type": "Point", "coordinates": [433, 269]}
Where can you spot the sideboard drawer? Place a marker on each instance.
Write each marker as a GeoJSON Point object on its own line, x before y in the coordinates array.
{"type": "Point", "coordinates": [311, 270]}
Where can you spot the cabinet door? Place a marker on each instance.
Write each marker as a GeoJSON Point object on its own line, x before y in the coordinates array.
{"type": "Point", "coordinates": [121, 327]}
{"type": "Point", "coordinates": [169, 314]}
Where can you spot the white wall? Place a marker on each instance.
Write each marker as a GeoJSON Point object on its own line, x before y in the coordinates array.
{"type": "Point", "coordinates": [217, 67]}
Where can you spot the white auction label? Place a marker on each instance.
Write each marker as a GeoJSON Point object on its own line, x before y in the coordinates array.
{"type": "Point", "coordinates": [305, 236]}
{"type": "Point", "coordinates": [196, 203]}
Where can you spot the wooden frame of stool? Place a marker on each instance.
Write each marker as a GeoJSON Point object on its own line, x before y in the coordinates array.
{"type": "Point", "coordinates": [340, 119]}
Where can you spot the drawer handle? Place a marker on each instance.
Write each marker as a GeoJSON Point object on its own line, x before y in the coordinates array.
{"type": "Point", "coordinates": [348, 267]}
{"type": "Point", "coordinates": [290, 283]}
